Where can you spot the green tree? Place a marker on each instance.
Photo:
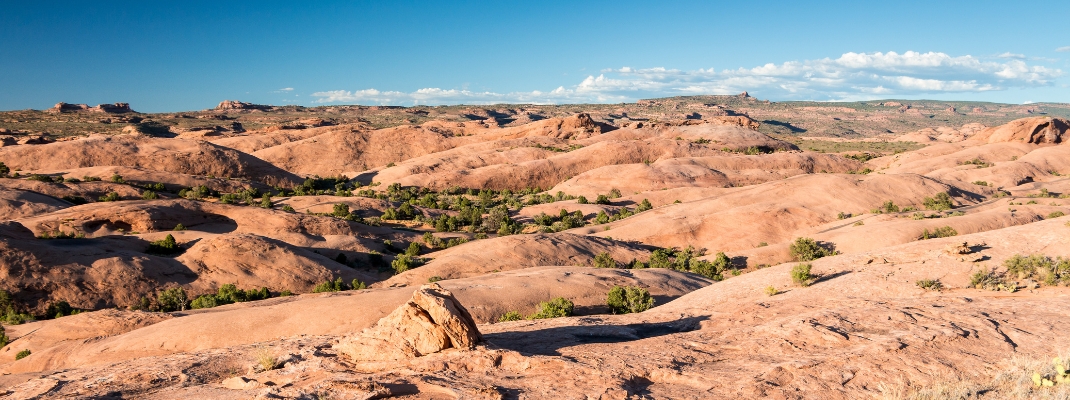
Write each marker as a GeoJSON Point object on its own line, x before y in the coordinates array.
{"type": "Point", "coordinates": [265, 201]}
{"type": "Point", "coordinates": [601, 218]}
{"type": "Point", "coordinates": [628, 299]}
{"type": "Point", "coordinates": [644, 206]}
{"type": "Point", "coordinates": [173, 299]}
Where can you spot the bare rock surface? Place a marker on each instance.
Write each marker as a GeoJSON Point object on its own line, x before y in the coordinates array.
{"type": "Point", "coordinates": [431, 321]}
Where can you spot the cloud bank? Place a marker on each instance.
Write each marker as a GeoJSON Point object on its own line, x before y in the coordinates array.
{"type": "Point", "coordinates": [852, 76]}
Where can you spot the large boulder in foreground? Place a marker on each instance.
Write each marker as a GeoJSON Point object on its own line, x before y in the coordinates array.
{"type": "Point", "coordinates": [431, 321]}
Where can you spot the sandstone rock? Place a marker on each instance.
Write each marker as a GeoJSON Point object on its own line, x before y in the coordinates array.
{"type": "Point", "coordinates": [240, 383]}
{"type": "Point", "coordinates": [240, 105]}
{"type": "Point", "coordinates": [117, 108]}
{"type": "Point", "coordinates": [1036, 130]}
{"type": "Point", "coordinates": [431, 321]}
{"type": "Point", "coordinates": [963, 252]}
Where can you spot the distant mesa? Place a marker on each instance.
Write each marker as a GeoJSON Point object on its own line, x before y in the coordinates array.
{"type": "Point", "coordinates": [240, 105]}
{"type": "Point", "coordinates": [116, 108]}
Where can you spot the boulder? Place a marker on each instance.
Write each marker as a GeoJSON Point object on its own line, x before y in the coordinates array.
{"type": "Point", "coordinates": [431, 321]}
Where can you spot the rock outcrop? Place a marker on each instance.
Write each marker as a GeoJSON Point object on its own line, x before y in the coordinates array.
{"type": "Point", "coordinates": [240, 105]}
{"type": "Point", "coordinates": [1036, 130]}
{"type": "Point", "coordinates": [116, 108]}
{"type": "Point", "coordinates": [431, 321]}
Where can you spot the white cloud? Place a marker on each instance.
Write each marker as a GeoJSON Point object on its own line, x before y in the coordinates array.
{"type": "Point", "coordinates": [1063, 49]}
{"type": "Point", "coordinates": [1012, 55]}
{"type": "Point", "coordinates": [852, 76]}
{"type": "Point", "coordinates": [289, 89]}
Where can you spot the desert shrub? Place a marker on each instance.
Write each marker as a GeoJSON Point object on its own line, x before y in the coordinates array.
{"type": "Point", "coordinates": [941, 202]}
{"type": "Point", "coordinates": [510, 316]}
{"type": "Point", "coordinates": [941, 232]}
{"type": "Point", "coordinates": [341, 259]}
{"type": "Point", "coordinates": [602, 199]}
{"type": "Point", "coordinates": [807, 249]}
{"type": "Point", "coordinates": [800, 275]}
{"type": "Point", "coordinates": [111, 196]}
{"type": "Point", "coordinates": [59, 309]}
{"type": "Point", "coordinates": [288, 208]}
{"type": "Point", "coordinates": [22, 354]}
{"type": "Point", "coordinates": [117, 178]}
{"type": "Point", "coordinates": [601, 218]}
{"type": "Point", "coordinates": [265, 359]}
{"type": "Point", "coordinates": [889, 207]}
{"type": "Point", "coordinates": [4, 170]}
{"type": "Point", "coordinates": [434, 279]}
{"type": "Point", "coordinates": [405, 262]}
{"type": "Point", "coordinates": [9, 311]}
{"type": "Point", "coordinates": [644, 206]}
{"type": "Point", "coordinates": [558, 307]}
{"type": "Point", "coordinates": [40, 178]}
{"type": "Point", "coordinates": [581, 200]}
{"type": "Point", "coordinates": [76, 200]}
{"type": "Point", "coordinates": [771, 291]}
{"type": "Point", "coordinates": [930, 284]}
{"type": "Point", "coordinates": [843, 215]}
{"type": "Point", "coordinates": [711, 269]}
{"type": "Point", "coordinates": [341, 210]}
{"type": "Point", "coordinates": [980, 183]}
{"type": "Point", "coordinates": [179, 227]}
{"type": "Point", "coordinates": [614, 193]}
{"type": "Point", "coordinates": [149, 195]}
{"type": "Point", "coordinates": [1050, 271]}
{"type": "Point", "coordinates": [166, 246]}
{"type": "Point", "coordinates": [204, 301]}
{"type": "Point", "coordinates": [3, 337]}
{"type": "Point", "coordinates": [414, 249]}
{"type": "Point", "coordinates": [265, 201]}
{"type": "Point", "coordinates": [989, 279]}
{"type": "Point", "coordinates": [330, 286]}
{"type": "Point", "coordinates": [1056, 214]}
{"type": "Point", "coordinates": [604, 260]}
{"type": "Point", "coordinates": [628, 299]}
{"type": "Point", "coordinates": [173, 299]}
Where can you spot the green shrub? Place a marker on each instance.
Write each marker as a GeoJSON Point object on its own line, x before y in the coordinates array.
{"type": "Point", "coordinates": [604, 260]}
{"type": "Point", "coordinates": [990, 280]}
{"type": "Point", "coordinates": [941, 202]}
{"type": "Point", "coordinates": [404, 262]}
{"type": "Point", "coordinates": [558, 307]}
{"type": "Point", "coordinates": [711, 269]}
{"type": "Point", "coordinates": [581, 200]}
{"type": "Point", "coordinates": [341, 210]}
{"type": "Point", "coordinates": [149, 195]}
{"type": "Point", "coordinates": [173, 299]}
{"type": "Point", "coordinates": [434, 279]}
{"type": "Point", "coordinates": [980, 183]}
{"type": "Point", "coordinates": [165, 246]}
{"type": "Point", "coordinates": [59, 309]}
{"type": "Point", "coordinates": [356, 284]}
{"type": "Point", "coordinates": [204, 301]}
{"type": "Point", "coordinates": [4, 170]}
{"type": "Point", "coordinates": [843, 215]}
{"type": "Point", "coordinates": [288, 208]}
{"type": "Point", "coordinates": [930, 284]}
{"type": "Point", "coordinates": [179, 227]}
{"type": "Point", "coordinates": [22, 354]}
{"type": "Point", "coordinates": [601, 218]}
{"type": "Point", "coordinates": [800, 275]}
{"type": "Point", "coordinates": [807, 249]}
{"type": "Point", "coordinates": [771, 291]}
{"type": "Point", "coordinates": [941, 232]}
{"type": "Point", "coordinates": [628, 299]}
{"type": "Point", "coordinates": [117, 178]}
{"type": "Point", "coordinates": [330, 286]}
{"type": "Point", "coordinates": [111, 196]}
{"type": "Point", "coordinates": [265, 201]}
{"type": "Point", "coordinates": [644, 206]}
{"type": "Point", "coordinates": [1056, 214]}
{"type": "Point", "coordinates": [3, 337]}
{"type": "Point", "coordinates": [889, 207]}
{"type": "Point", "coordinates": [9, 311]}
{"type": "Point", "coordinates": [602, 199]}
{"type": "Point", "coordinates": [510, 316]}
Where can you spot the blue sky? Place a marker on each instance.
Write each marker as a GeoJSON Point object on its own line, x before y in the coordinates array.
{"type": "Point", "coordinates": [191, 55]}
